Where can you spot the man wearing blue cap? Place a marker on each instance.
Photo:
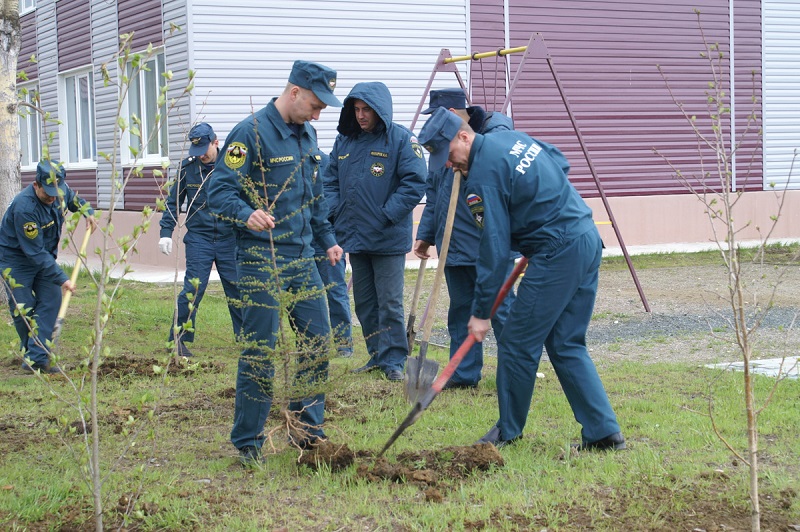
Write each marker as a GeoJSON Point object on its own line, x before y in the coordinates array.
{"type": "Point", "coordinates": [462, 252]}
{"type": "Point", "coordinates": [519, 196]}
{"type": "Point", "coordinates": [377, 177]}
{"type": "Point", "coordinates": [208, 240]}
{"type": "Point", "coordinates": [29, 236]}
{"type": "Point", "coordinates": [269, 185]}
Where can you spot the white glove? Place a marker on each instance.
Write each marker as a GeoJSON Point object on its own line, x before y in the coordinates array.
{"type": "Point", "coordinates": [165, 245]}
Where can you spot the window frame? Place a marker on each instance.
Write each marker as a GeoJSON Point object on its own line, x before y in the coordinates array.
{"type": "Point", "coordinates": [26, 92]}
{"type": "Point", "coordinates": [25, 9]}
{"type": "Point", "coordinates": [142, 96]}
{"type": "Point", "coordinates": [65, 120]}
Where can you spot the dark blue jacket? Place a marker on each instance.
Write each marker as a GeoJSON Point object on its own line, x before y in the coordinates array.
{"type": "Point", "coordinates": [264, 158]}
{"type": "Point", "coordinates": [518, 193]}
{"type": "Point", "coordinates": [30, 231]}
{"type": "Point", "coordinates": [464, 238]}
{"type": "Point", "coordinates": [374, 179]}
{"type": "Point", "coordinates": [191, 186]}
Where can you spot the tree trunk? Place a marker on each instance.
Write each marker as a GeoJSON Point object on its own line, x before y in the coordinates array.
{"type": "Point", "coordinates": [10, 38]}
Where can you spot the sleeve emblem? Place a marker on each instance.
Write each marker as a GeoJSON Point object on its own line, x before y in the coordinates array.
{"type": "Point", "coordinates": [31, 229]}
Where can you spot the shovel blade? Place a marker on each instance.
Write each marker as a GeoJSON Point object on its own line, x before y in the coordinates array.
{"type": "Point", "coordinates": [420, 374]}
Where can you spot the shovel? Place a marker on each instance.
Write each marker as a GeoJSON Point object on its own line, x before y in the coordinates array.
{"type": "Point", "coordinates": [421, 372]}
{"type": "Point", "coordinates": [411, 334]}
{"type": "Point", "coordinates": [430, 394]}
{"type": "Point", "coordinates": [62, 312]}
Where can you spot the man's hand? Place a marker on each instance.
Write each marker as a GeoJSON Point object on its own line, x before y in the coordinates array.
{"type": "Point", "coordinates": [421, 249]}
{"type": "Point", "coordinates": [91, 223]}
{"type": "Point", "coordinates": [334, 254]}
{"type": "Point", "coordinates": [260, 221]}
{"type": "Point", "coordinates": [68, 286]}
{"type": "Point", "coordinates": [165, 245]}
{"type": "Point", "coordinates": [478, 327]}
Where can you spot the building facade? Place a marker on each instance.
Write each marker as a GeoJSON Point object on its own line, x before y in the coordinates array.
{"type": "Point", "coordinates": [606, 56]}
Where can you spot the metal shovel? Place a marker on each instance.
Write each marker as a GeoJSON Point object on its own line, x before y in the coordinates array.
{"type": "Point", "coordinates": [420, 372]}
{"type": "Point", "coordinates": [430, 394]}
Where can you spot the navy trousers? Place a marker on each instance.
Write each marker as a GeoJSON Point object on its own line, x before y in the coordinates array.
{"type": "Point", "coordinates": [333, 277]}
{"type": "Point", "coordinates": [43, 298]}
{"type": "Point", "coordinates": [201, 254]}
{"type": "Point", "coordinates": [554, 304]}
{"type": "Point", "coordinates": [261, 316]}
{"type": "Point", "coordinates": [461, 288]}
{"type": "Point", "coordinates": [378, 282]}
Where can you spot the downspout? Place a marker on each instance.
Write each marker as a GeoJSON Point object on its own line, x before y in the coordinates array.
{"type": "Point", "coordinates": [507, 44]}
{"type": "Point", "coordinates": [732, 95]}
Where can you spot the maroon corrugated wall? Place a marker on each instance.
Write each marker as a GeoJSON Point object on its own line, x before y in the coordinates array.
{"type": "Point", "coordinates": [27, 46]}
{"type": "Point", "coordinates": [606, 55]}
{"type": "Point", "coordinates": [144, 18]}
{"type": "Point", "coordinates": [74, 37]}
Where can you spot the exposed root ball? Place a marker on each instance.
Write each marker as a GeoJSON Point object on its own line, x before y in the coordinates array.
{"type": "Point", "coordinates": [332, 455]}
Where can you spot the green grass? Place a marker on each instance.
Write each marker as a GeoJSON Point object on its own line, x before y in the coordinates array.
{"type": "Point", "coordinates": [182, 472]}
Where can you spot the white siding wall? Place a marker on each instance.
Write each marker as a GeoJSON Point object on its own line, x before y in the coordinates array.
{"type": "Point", "coordinates": [176, 54]}
{"type": "Point", "coordinates": [104, 46]}
{"type": "Point", "coordinates": [781, 48]}
{"type": "Point", "coordinates": [243, 50]}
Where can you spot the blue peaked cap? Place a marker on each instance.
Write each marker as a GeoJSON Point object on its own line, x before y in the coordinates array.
{"type": "Point", "coordinates": [436, 135]}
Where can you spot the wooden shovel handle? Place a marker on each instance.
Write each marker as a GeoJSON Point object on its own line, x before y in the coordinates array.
{"type": "Point", "coordinates": [448, 230]}
{"type": "Point", "coordinates": [74, 278]}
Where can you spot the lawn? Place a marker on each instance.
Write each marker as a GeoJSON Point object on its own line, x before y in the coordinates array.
{"type": "Point", "coordinates": [168, 464]}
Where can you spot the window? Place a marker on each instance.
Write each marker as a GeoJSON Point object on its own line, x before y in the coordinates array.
{"type": "Point", "coordinates": [26, 5]}
{"type": "Point", "coordinates": [77, 125]}
{"type": "Point", "coordinates": [30, 141]}
{"type": "Point", "coordinates": [143, 94]}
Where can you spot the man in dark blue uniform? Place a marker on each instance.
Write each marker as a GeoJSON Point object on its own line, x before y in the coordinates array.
{"type": "Point", "coordinates": [462, 252]}
{"type": "Point", "coordinates": [208, 239]}
{"type": "Point", "coordinates": [268, 184]}
{"type": "Point", "coordinates": [376, 177]}
{"type": "Point", "coordinates": [29, 236]}
{"type": "Point", "coordinates": [519, 195]}
{"type": "Point", "coordinates": [333, 277]}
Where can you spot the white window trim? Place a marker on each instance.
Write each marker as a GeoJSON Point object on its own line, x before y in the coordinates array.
{"type": "Point", "coordinates": [26, 10]}
{"type": "Point", "coordinates": [62, 126]}
{"type": "Point", "coordinates": [150, 159]}
{"type": "Point", "coordinates": [31, 87]}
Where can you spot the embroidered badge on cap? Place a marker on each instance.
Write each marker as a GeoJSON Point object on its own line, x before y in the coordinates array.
{"type": "Point", "coordinates": [31, 229]}
{"type": "Point", "coordinates": [332, 83]}
{"type": "Point", "coordinates": [377, 169]}
{"type": "Point", "coordinates": [235, 155]}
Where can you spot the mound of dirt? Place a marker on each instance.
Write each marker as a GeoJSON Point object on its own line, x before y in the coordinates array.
{"type": "Point", "coordinates": [428, 468]}
{"type": "Point", "coordinates": [331, 455]}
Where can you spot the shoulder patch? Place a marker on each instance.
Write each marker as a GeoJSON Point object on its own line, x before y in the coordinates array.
{"type": "Point", "coordinates": [475, 204]}
{"type": "Point", "coordinates": [31, 229]}
{"type": "Point", "coordinates": [235, 155]}
{"type": "Point", "coordinates": [417, 149]}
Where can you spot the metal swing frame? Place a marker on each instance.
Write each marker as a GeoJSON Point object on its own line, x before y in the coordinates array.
{"type": "Point", "coordinates": [537, 49]}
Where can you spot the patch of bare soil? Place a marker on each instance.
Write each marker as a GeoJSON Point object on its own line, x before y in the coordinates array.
{"type": "Point", "coordinates": [123, 365]}
{"type": "Point", "coordinates": [430, 469]}
{"type": "Point", "coordinates": [327, 454]}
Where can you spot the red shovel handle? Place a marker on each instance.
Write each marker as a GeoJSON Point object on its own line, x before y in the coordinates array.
{"type": "Point", "coordinates": [458, 356]}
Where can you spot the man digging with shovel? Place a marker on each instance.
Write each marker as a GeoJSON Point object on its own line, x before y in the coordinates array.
{"type": "Point", "coordinates": [518, 193]}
